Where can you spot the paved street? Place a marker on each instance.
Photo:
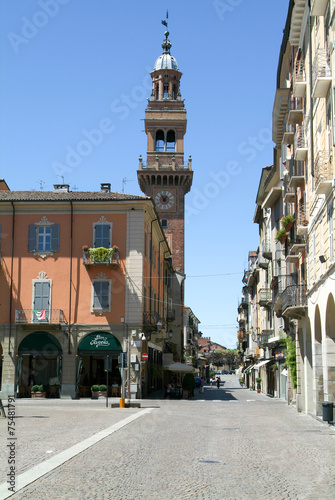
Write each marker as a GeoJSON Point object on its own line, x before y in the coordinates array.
{"type": "Point", "coordinates": [228, 443]}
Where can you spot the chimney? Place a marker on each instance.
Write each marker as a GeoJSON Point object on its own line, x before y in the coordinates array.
{"type": "Point", "coordinates": [105, 187]}
{"type": "Point", "coordinates": [61, 188]}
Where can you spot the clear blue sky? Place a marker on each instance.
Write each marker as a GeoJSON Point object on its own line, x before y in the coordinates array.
{"type": "Point", "coordinates": [69, 66]}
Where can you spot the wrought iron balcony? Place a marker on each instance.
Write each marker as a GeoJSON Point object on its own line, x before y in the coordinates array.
{"type": "Point", "coordinates": [299, 79]}
{"type": "Point", "coordinates": [108, 258]}
{"type": "Point", "coordinates": [40, 316]}
{"type": "Point", "coordinates": [294, 301]}
{"type": "Point", "coordinates": [300, 143]}
{"type": "Point", "coordinates": [321, 73]}
{"type": "Point", "coordinates": [323, 173]}
{"type": "Point", "coordinates": [288, 137]}
{"type": "Point", "coordinates": [302, 219]}
{"type": "Point", "coordinates": [265, 297]}
{"type": "Point", "coordinates": [297, 174]}
{"type": "Point", "coordinates": [151, 319]}
{"type": "Point", "coordinates": [296, 111]}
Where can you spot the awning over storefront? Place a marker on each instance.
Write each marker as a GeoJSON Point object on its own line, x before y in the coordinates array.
{"type": "Point", "coordinates": [262, 363]}
{"type": "Point", "coordinates": [40, 343]}
{"type": "Point", "coordinates": [99, 343]}
{"type": "Point", "coordinates": [179, 367]}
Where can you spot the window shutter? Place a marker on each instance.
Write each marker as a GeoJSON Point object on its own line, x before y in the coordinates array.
{"type": "Point", "coordinates": [55, 238]}
{"type": "Point", "coordinates": [31, 238]}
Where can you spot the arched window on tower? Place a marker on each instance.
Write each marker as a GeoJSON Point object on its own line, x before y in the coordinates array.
{"type": "Point", "coordinates": [156, 91]}
{"type": "Point", "coordinates": [166, 91]}
{"type": "Point", "coordinates": [174, 92]}
{"type": "Point", "coordinates": [170, 141]}
{"type": "Point", "coordinates": [159, 145]}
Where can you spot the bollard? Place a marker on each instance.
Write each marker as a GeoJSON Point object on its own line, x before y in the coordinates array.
{"type": "Point", "coordinates": [122, 403]}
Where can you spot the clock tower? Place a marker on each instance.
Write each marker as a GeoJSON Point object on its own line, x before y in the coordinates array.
{"type": "Point", "coordinates": [165, 177]}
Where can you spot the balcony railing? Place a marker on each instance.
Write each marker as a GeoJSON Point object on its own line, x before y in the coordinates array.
{"type": "Point", "coordinates": [266, 248]}
{"type": "Point", "coordinates": [299, 79]}
{"type": "Point", "coordinates": [265, 297]}
{"type": "Point", "coordinates": [294, 300]}
{"type": "Point", "coordinates": [302, 219]}
{"type": "Point", "coordinates": [321, 73]}
{"type": "Point", "coordinates": [40, 316]}
{"type": "Point", "coordinates": [296, 111]}
{"type": "Point", "coordinates": [288, 134]}
{"type": "Point", "coordinates": [151, 319]}
{"type": "Point", "coordinates": [297, 174]}
{"type": "Point", "coordinates": [323, 173]}
{"type": "Point", "coordinates": [300, 143]}
{"type": "Point", "coordinates": [106, 258]}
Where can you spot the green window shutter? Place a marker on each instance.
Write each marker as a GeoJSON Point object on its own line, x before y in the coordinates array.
{"type": "Point", "coordinates": [31, 238]}
{"type": "Point", "coordinates": [55, 238]}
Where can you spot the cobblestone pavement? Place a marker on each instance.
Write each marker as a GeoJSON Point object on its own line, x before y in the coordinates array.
{"type": "Point", "coordinates": [228, 443]}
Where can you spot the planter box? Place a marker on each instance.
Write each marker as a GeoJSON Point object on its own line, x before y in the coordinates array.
{"type": "Point", "coordinates": [38, 395]}
{"type": "Point", "coordinates": [99, 394]}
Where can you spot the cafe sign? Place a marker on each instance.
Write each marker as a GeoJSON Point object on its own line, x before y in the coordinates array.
{"type": "Point", "coordinates": [99, 343]}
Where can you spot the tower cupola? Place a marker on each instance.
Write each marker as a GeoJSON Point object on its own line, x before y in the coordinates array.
{"type": "Point", "coordinates": [166, 75]}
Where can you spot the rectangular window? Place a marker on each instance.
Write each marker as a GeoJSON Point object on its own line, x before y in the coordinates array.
{"type": "Point", "coordinates": [43, 238]}
{"type": "Point", "coordinates": [102, 235]}
{"type": "Point", "coordinates": [101, 295]}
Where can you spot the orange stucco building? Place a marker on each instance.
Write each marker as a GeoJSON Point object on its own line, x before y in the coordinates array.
{"type": "Point", "coordinates": [83, 275]}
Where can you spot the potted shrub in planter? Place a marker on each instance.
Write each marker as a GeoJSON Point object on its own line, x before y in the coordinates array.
{"type": "Point", "coordinates": [258, 381]}
{"type": "Point", "coordinates": [37, 391]}
{"type": "Point", "coordinates": [95, 391]}
{"type": "Point", "coordinates": [99, 391]}
{"type": "Point", "coordinates": [102, 391]}
{"type": "Point", "coordinates": [188, 385]}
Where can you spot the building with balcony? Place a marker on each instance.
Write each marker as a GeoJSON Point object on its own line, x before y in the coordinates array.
{"type": "Point", "coordinates": [85, 276]}
{"type": "Point", "coordinates": [295, 206]}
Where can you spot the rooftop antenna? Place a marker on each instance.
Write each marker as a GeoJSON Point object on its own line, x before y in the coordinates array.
{"type": "Point", "coordinates": [124, 181]}
{"type": "Point", "coordinates": [41, 184]}
{"type": "Point", "coordinates": [75, 188]}
{"type": "Point", "coordinates": [62, 177]}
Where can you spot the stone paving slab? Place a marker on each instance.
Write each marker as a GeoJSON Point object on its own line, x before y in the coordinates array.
{"type": "Point", "coordinates": [228, 444]}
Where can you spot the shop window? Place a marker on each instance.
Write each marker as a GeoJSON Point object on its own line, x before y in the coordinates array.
{"type": "Point", "coordinates": [101, 295]}
{"type": "Point", "coordinates": [43, 238]}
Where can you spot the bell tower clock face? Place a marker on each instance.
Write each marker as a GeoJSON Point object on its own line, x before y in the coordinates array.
{"type": "Point", "coordinates": [164, 200]}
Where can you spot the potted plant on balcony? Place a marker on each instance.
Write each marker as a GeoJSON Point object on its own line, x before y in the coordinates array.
{"type": "Point", "coordinates": [37, 391]}
{"type": "Point", "coordinates": [258, 381]}
{"type": "Point", "coordinates": [281, 236]}
{"type": "Point", "coordinates": [287, 222]}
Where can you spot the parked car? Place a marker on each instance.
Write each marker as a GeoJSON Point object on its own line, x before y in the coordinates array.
{"type": "Point", "coordinates": [197, 381]}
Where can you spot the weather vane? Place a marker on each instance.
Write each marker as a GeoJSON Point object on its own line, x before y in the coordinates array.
{"type": "Point", "coordinates": [165, 21]}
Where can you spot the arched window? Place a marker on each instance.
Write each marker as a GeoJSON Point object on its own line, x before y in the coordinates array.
{"type": "Point", "coordinates": [166, 91]}
{"type": "Point", "coordinates": [159, 140]}
{"type": "Point", "coordinates": [170, 141]}
{"type": "Point", "coordinates": [174, 92]}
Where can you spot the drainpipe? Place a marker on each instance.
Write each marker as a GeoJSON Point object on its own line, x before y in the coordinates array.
{"type": "Point", "coordinates": [70, 290]}
{"type": "Point", "coordinates": [311, 88]}
{"type": "Point", "coordinates": [11, 282]}
{"type": "Point", "coordinates": [160, 280]}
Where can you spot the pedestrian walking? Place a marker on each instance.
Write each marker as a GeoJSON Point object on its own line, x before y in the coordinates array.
{"type": "Point", "coordinates": [212, 380]}
{"type": "Point", "coordinates": [202, 383]}
{"type": "Point", "coordinates": [218, 382]}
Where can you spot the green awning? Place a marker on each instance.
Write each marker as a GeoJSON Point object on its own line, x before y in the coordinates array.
{"type": "Point", "coordinates": [40, 343]}
{"type": "Point", "coordinates": [99, 343]}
